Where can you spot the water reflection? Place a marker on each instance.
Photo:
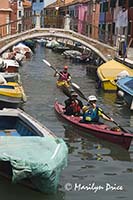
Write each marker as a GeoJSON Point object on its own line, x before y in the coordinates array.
{"type": "Point", "coordinates": [93, 148]}
{"type": "Point", "coordinates": [16, 191]}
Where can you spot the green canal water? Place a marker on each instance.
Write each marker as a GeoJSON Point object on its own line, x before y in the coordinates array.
{"type": "Point", "coordinates": [96, 169]}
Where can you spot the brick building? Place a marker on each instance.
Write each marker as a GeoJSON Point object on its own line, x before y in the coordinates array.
{"type": "Point", "coordinates": [5, 11]}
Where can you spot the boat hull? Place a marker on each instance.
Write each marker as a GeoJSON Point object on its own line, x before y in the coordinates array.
{"type": "Point", "coordinates": [12, 69]}
{"type": "Point", "coordinates": [126, 86]}
{"type": "Point", "coordinates": [11, 95]}
{"type": "Point", "coordinates": [19, 162]}
{"type": "Point", "coordinates": [101, 131]}
{"type": "Point", "coordinates": [107, 74]}
{"type": "Point", "coordinates": [10, 102]}
{"type": "Point", "coordinates": [109, 85]}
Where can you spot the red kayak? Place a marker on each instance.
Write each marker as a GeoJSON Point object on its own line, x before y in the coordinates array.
{"type": "Point", "coordinates": [102, 131]}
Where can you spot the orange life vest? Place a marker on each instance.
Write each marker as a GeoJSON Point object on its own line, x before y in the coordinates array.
{"type": "Point", "coordinates": [75, 106]}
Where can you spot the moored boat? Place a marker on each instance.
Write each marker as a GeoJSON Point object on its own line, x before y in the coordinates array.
{"type": "Point", "coordinates": [11, 77]}
{"type": "Point", "coordinates": [23, 49]}
{"type": "Point", "coordinates": [125, 90]}
{"type": "Point", "coordinates": [11, 66]}
{"type": "Point", "coordinates": [107, 74]}
{"type": "Point", "coordinates": [19, 57]}
{"type": "Point", "coordinates": [99, 130]}
{"type": "Point", "coordinates": [11, 95]}
{"type": "Point", "coordinates": [30, 154]}
{"type": "Point", "coordinates": [52, 44]}
{"type": "Point", "coordinates": [60, 49]}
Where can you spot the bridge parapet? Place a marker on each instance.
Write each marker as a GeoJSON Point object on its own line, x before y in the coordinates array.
{"type": "Point", "coordinates": [99, 48]}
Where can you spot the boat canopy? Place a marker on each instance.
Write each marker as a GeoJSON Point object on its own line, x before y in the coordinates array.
{"type": "Point", "coordinates": [30, 156]}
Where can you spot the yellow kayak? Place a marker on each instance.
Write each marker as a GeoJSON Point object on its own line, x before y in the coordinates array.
{"type": "Point", "coordinates": [108, 72]}
{"type": "Point", "coordinates": [62, 83]}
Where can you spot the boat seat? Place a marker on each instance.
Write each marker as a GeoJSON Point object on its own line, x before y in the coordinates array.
{"type": "Point", "coordinates": [9, 132]}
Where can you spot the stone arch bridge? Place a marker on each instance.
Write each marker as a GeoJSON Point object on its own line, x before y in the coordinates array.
{"type": "Point", "coordinates": [101, 49]}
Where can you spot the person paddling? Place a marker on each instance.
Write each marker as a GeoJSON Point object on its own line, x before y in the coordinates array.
{"type": "Point", "coordinates": [63, 75]}
{"type": "Point", "coordinates": [92, 113]}
{"type": "Point", "coordinates": [73, 105]}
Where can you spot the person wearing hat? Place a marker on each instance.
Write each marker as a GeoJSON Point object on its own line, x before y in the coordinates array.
{"type": "Point", "coordinates": [64, 75]}
{"type": "Point", "coordinates": [73, 105]}
{"type": "Point", "coordinates": [92, 112]}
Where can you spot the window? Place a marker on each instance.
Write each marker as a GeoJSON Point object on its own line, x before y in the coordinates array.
{"type": "Point", "coordinates": [101, 7]}
{"type": "Point", "coordinates": [130, 3]}
{"type": "Point", "coordinates": [33, 1]}
{"type": "Point", "coordinates": [121, 2]}
{"type": "Point", "coordinates": [19, 3]}
{"type": "Point", "coordinates": [90, 29]}
{"type": "Point", "coordinates": [103, 27]}
{"type": "Point", "coordinates": [41, 1]}
{"type": "Point", "coordinates": [113, 3]}
{"type": "Point", "coordinates": [109, 28]}
{"type": "Point", "coordinates": [105, 6]}
{"type": "Point", "coordinates": [113, 28]}
{"type": "Point", "coordinates": [19, 14]}
{"type": "Point", "coordinates": [129, 27]}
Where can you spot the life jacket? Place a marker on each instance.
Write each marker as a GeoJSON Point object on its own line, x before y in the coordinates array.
{"type": "Point", "coordinates": [76, 107]}
{"type": "Point", "coordinates": [63, 76]}
{"type": "Point", "coordinates": [91, 115]}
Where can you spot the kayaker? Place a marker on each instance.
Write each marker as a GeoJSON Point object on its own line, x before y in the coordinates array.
{"type": "Point", "coordinates": [73, 105]}
{"type": "Point", "coordinates": [91, 112]}
{"type": "Point", "coordinates": [63, 75]}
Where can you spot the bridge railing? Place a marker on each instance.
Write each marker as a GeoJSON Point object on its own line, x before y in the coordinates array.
{"type": "Point", "coordinates": [76, 25]}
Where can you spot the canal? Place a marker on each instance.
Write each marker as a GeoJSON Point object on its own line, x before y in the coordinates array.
{"type": "Point", "coordinates": [96, 169]}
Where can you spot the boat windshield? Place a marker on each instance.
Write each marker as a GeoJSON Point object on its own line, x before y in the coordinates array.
{"type": "Point", "coordinates": [129, 84]}
{"type": "Point", "coordinates": [6, 87]}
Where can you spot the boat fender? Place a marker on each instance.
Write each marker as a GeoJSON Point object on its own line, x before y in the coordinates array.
{"type": "Point", "coordinates": [120, 93]}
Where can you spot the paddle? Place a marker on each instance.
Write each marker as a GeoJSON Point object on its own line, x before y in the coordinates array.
{"type": "Point", "coordinates": [47, 63]}
{"type": "Point", "coordinates": [77, 89]}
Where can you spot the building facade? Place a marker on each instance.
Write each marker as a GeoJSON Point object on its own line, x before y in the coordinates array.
{"type": "Point", "coordinates": [5, 12]}
{"type": "Point", "coordinates": [27, 21]}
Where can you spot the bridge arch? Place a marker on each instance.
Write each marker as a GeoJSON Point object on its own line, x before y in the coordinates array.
{"type": "Point", "coordinates": [102, 50]}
